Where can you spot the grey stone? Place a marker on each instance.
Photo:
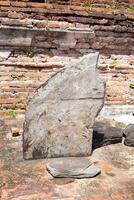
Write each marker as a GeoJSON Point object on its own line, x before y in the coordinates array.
{"type": "Point", "coordinates": [4, 54]}
{"type": "Point", "coordinates": [66, 41]}
{"type": "Point", "coordinates": [16, 37]}
{"type": "Point", "coordinates": [60, 115]}
{"type": "Point", "coordinates": [105, 134]}
{"type": "Point", "coordinates": [129, 134]}
{"type": "Point", "coordinates": [72, 168]}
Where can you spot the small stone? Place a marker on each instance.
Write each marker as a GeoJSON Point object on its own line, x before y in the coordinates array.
{"type": "Point", "coordinates": [129, 134]}
{"type": "Point", "coordinates": [4, 54]}
{"type": "Point", "coordinates": [105, 134]}
{"type": "Point", "coordinates": [15, 132]}
{"type": "Point", "coordinates": [72, 167]}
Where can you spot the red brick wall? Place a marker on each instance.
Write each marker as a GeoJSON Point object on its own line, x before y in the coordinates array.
{"type": "Point", "coordinates": [21, 75]}
{"type": "Point", "coordinates": [76, 2]}
{"type": "Point", "coordinates": [56, 34]}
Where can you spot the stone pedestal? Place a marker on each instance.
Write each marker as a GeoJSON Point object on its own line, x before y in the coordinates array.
{"type": "Point", "coordinates": [60, 115]}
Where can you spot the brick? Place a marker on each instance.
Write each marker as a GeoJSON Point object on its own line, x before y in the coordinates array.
{"type": "Point", "coordinates": [82, 46]}
{"type": "Point", "coordinates": [16, 9]}
{"type": "Point", "coordinates": [42, 24]}
{"type": "Point", "coordinates": [40, 5]}
{"type": "Point", "coordinates": [14, 122]}
{"type": "Point", "coordinates": [18, 4]}
{"type": "Point", "coordinates": [108, 103]}
{"type": "Point", "coordinates": [15, 15]}
{"type": "Point", "coordinates": [36, 5]}
{"type": "Point", "coordinates": [16, 22]}
{"type": "Point", "coordinates": [81, 25]}
{"type": "Point", "coordinates": [13, 84]}
{"type": "Point", "coordinates": [87, 35]}
{"type": "Point", "coordinates": [5, 78]}
{"type": "Point", "coordinates": [4, 3]}
{"type": "Point", "coordinates": [11, 100]}
{"type": "Point", "coordinates": [115, 98]}
{"type": "Point", "coordinates": [3, 14]}
{"type": "Point", "coordinates": [4, 96]}
{"type": "Point", "coordinates": [7, 101]}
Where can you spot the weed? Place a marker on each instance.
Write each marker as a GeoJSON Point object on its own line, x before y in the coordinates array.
{"type": "Point", "coordinates": [17, 75]}
{"type": "Point", "coordinates": [29, 53]}
{"type": "Point", "coordinates": [131, 8]}
{"type": "Point", "coordinates": [131, 85]}
{"type": "Point", "coordinates": [12, 113]}
{"type": "Point", "coordinates": [114, 62]}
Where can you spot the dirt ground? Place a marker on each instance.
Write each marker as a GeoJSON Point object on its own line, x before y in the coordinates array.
{"type": "Point", "coordinates": [29, 180]}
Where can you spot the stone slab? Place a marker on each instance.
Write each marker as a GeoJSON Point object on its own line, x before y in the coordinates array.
{"type": "Point", "coordinates": [105, 134]}
{"type": "Point", "coordinates": [60, 115]}
{"type": "Point", "coordinates": [72, 168]}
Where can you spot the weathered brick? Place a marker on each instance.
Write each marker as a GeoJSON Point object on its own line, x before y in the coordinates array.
{"type": "Point", "coordinates": [18, 4]}
{"type": "Point", "coordinates": [16, 22]}
{"type": "Point", "coordinates": [3, 14]}
{"type": "Point", "coordinates": [40, 5]}
{"type": "Point", "coordinates": [15, 15]}
{"type": "Point", "coordinates": [5, 3]}
{"type": "Point", "coordinates": [42, 24]}
{"type": "Point", "coordinates": [78, 25]}
{"type": "Point", "coordinates": [16, 9]}
{"type": "Point", "coordinates": [82, 46]}
{"type": "Point", "coordinates": [14, 122]}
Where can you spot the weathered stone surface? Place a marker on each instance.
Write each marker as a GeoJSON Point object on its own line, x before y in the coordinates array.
{"type": "Point", "coordinates": [129, 134]}
{"type": "Point", "coordinates": [60, 116]}
{"type": "Point", "coordinates": [15, 37]}
{"type": "Point", "coordinates": [104, 134]}
{"type": "Point", "coordinates": [72, 168]}
{"type": "Point", "coordinates": [5, 54]}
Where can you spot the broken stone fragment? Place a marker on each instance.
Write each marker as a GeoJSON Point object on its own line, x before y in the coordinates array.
{"type": "Point", "coordinates": [105, 134]}
{"type": "Point", "coordinates": [72, 168]}
{"type": "Point", "coordinates": [60, 115]}
{"type": "Point", "coordinates": [129, 135]}
{"type": "Point", "coordinates": [4, 54]}
{"type": "Point", "coordinates": [15, 132]}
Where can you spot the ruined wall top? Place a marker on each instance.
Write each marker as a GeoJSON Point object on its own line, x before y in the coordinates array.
{"type": "Point", "coordinates": [85, 2]}
{"type": "Point", "coordinates": [95, 12]}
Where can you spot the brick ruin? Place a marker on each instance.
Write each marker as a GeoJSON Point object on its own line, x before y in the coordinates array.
{"type": "Point", "coordinates": [41, 38]}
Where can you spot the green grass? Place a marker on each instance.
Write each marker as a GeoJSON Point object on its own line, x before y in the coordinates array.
{"type": "Point", "coordinates": [12, 113]}
{"type": "Point", "coordinates": [131, 85]}
{"type": "Point", "coordinates": [131, 8]}
{"type": "Point", "coordinates": [114, 63]}
{"type": "Point", "coordinates": [17, 75]}
{"type": "Point", "coordinates": [29, 53]}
